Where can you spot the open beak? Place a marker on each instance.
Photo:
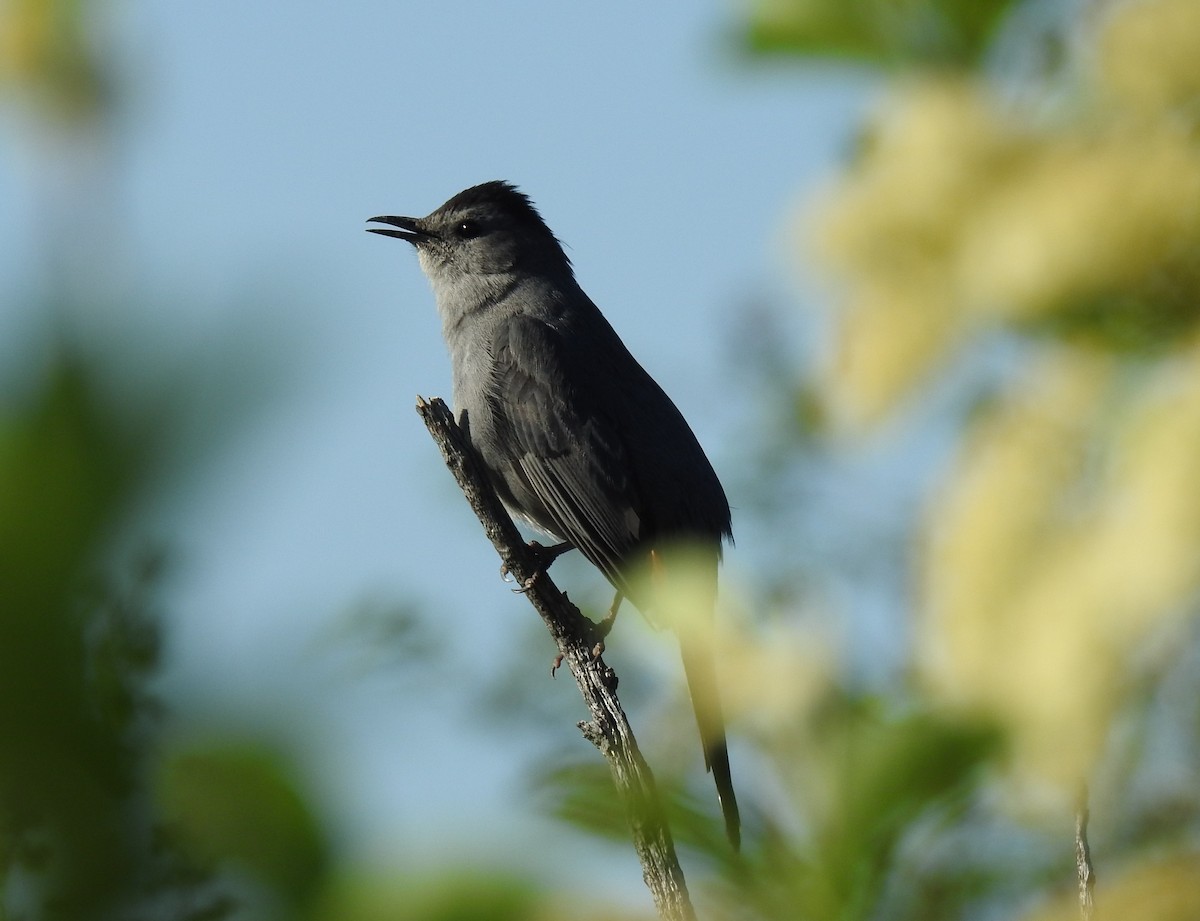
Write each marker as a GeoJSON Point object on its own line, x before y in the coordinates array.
{"type": "Point", "coordinates": [410, 228]}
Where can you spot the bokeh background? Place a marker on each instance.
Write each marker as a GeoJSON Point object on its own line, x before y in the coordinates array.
{"type": "Point", "coordinates": [924, 278]}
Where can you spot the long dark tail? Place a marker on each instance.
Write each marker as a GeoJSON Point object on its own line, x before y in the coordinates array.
{"type": "Point", "coordinates": [690, 610]}
{"type": "Point", "coordinates": [701, 672]}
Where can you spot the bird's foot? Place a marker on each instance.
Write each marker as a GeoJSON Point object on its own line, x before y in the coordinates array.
{"type": "Point", "coordinates": [526, 585]}
{"type": "Point", "coordinates": [602, 627]}
{"type": "Point", "coordinates": [543, 557]}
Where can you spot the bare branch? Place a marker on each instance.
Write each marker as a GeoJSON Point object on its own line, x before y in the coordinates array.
{"type": "Point", "coordinates": [1083, 858]}
{"type": "Point", "coordinates": [577, 638]}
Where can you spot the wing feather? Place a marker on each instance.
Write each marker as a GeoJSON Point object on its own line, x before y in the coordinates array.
{"type": "Point", "coordinates": [569, 469]}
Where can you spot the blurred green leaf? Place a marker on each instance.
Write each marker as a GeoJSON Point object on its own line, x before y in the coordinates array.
{"type": "Point", "coordinates": [885, 772]}
{"type": "Point", "coordinates": [46, 50]}
{"type": "Point", "coordinates": [463, 896]}
{"type": "Point", "coordinates": [61, 473]}
{"type": "Point", "coordinates": [890, 768]}
{"type": "Point", "coordinates": [582, 794]}
{"type": "Point", "coordinates": [875, 774]}
{"type": "Point", "coordinates": [237, 804]}
{"type": "Point", "coordinates": [78, 642]}
{"type": "Point", "coordinates": [1144, 319]}
{"type": "Point", "coordinates": [943, 33]}
{"type": "Point", "coordinates": [61, 769]}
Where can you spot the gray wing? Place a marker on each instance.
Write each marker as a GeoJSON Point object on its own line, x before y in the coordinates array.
{"type": "Point", "coordinates": [559, 454]}
{"type": "Point", "coordinates": [586, 444]}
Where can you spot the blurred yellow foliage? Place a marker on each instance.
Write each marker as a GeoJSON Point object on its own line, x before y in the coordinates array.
{"type": "Point", "coordinates": [26, 31]}
{"type": "Point", "coordinates": [1066, 530]}
{"type": "Point", "coordinates": [963, 211]}
{"type": "Point", "coordinates": [45, 50]}
{"type": "Point", "coordinates": [774, 677]}
{"type": "Point", "coordinates": [1064, 534]}
{"type": "Point", "coordinates": [1085, 217]}
{"type": "Point", "coordinates": [462, 894]}
{"type": "Point", "coordinates": [1009, 623]}
{"type": "Point", "coordinates": [894, 227]}
{"type": "Point", "coordinates": [1149, 56]}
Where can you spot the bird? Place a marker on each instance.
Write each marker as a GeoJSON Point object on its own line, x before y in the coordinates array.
{"type": "Point", "coordinates": [577, 438]}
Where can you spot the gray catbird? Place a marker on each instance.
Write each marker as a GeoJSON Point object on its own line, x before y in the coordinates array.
{"type": "Point", "coordinates": [578, 439]}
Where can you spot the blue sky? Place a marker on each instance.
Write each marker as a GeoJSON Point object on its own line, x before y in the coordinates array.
{"type": "Point", "coordinates": [254, 141]}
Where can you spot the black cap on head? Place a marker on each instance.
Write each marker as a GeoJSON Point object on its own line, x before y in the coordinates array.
{"type": "Point", "coordinates": [497, 193]}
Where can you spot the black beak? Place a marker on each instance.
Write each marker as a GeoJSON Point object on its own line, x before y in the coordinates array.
{"type": "Point", "coordinates": [410, 228]}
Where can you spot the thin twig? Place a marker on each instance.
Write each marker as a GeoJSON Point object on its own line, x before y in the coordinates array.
{"type": "Point", "coordinates": [1083, 858]}
{"type": "Point", "coordinates": [576, 638]}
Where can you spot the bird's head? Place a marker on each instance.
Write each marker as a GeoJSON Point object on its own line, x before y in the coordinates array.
{"type": "Point", "coordinates": [488, 230]}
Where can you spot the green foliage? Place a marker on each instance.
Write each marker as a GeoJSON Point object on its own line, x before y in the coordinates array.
{"type": "Point", "coordinates": [465, 895]}
{"type": "Point", "coordinates": [236, 804]}
{"type": "Point", "coordinates": [75, 652]}
{"type": "Point", "coordinates": [929, 33]}
{"type": "Point", "coordinates": [1148, 319]}
{"type": "Point", "coordinates": [47, 52]}
{"type": "Point", "coordinates": [61, 475]}
{"type": "Point", "coordinates": [862, 776]}
{"type": "Point", "coordinates": [581, 793]}
{"type": "Point", "coordinates": [59, 479]}
{"type": "Point", "coordinates": [882, 773]}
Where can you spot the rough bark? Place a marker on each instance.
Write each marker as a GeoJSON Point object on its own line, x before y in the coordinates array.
{"type": "Point", "coordinates": [1084, 871]}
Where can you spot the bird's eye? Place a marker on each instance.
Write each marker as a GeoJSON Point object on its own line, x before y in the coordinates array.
{"type": "Point", "coordinates": [467, 229]}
